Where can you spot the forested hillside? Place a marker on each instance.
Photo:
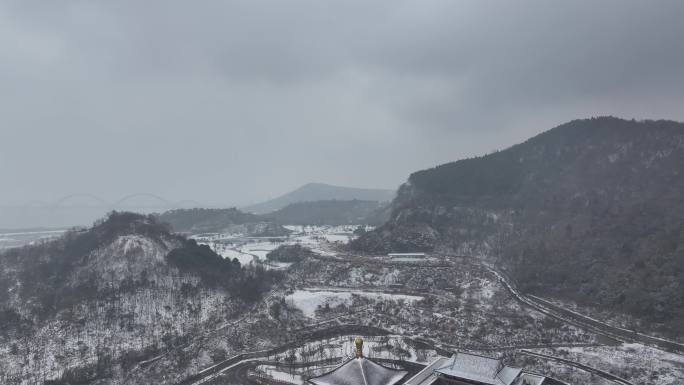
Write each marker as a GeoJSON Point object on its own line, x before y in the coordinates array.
{"type": "Point", "coordinates": [232, 220]}
{"type": "Point", "coordinates": [312, 192]}
{"type": "Point", "coordinates": [592, 210]}
{"type": "Point", "coordinates": [331, 212]}
{"type": "Point", "coordinates": [93, 304]}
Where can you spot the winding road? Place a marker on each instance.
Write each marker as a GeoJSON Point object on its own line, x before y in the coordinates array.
{"type": "Point", "coordinates": [586, 322]}
{"type": "Point", "coordinates": [562, 314]}
{"type": "Point", "coordinates": [586, 368]}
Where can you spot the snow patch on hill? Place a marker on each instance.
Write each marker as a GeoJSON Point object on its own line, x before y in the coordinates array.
{"type": "Point", "coordinates": [309, 300]}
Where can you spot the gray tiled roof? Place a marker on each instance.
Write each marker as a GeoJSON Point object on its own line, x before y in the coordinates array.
{"type": "Point", "coordinates": [473, 367]}
{"type": "Point", "coordinates": [479, 368]}
{"type": "Point", "coordinates": [427, 376]}
{"type": "Point", "coordinates": [360, 371]}
{"type": "Point", "coordinates": [508, 374]}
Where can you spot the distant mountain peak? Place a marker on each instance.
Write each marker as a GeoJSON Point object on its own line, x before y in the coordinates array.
{"type": "Point", "coordinates": [312, 192]}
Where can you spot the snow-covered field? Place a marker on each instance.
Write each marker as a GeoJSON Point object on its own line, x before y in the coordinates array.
{"type": "Point", "coordinates": [251, 250]}
{"type": "Point", "coordinates": [227, 252]}
{"type": "Point", "coordinates": [11, 239]}
{"type": "Point", "coordinates": [319, 238]}
{"type": "Point", "coordinates": [309, 300]}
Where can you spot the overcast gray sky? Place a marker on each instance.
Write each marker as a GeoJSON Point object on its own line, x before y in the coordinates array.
{"type": "Point", "coordinates": [235, 102]}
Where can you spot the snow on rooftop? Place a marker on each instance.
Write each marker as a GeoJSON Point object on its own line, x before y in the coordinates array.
{"type": "Point", "coordinates": [361, 371]}
{"type": "Point", "coordinates": [427, 375]}
{"type": "Point", "coordinates": [508, 374]}
{"type": "Point", "coordinates": [479, 368]}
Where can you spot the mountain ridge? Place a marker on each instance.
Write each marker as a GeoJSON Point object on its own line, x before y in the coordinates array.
{"type": "Point", "coordinates": [589, 211]}
{"type": "Point", "coordinates": [230, 220]}
{"type": "Point", "coordinates": [311, 192]}
{"type": "Point", "coordinates": [331, 212]}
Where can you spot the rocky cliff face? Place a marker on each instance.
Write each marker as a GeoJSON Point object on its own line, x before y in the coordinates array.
{"type": "Point", "coordinates": [591, 210]}
{"type": "Point", "coordinates": [93, 305]}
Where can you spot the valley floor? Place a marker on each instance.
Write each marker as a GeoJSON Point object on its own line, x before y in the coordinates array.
{"type": "Point", "coordinates": [409, 311]}
{"type": "Point", "coordinates": [428, 308]}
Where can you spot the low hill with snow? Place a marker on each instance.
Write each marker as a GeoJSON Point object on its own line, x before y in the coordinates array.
{"type": "Point", "coordinates": [90, 306]}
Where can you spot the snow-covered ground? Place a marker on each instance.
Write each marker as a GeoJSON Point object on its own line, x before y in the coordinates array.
{"type": "Point", "coordinates": [279, 374]}
{"type": "Point", "coordinates": [460, 306]}
{"type": "Point", "coordinates": [227, 252]}
{"type": "Point", "coordinates": [620, 320]}
{"type": "Point", "coordinates": [408, 259]}
{"type": "Point", "coordinates": [11, 239]}
{"type": "Point", "coordinates": [635, 362]}
{"type": "Point", "coordinates": [309, 300]}
{"type": "Point", "coordinates": [248, 250]}
{"type": "Point", "coordinates": [385, 347]}
{"type": "Point", "coordinates": [319, 238]}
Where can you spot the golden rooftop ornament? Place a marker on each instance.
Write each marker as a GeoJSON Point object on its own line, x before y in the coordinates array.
{"type": "Point", "coordinates": [359, 347]}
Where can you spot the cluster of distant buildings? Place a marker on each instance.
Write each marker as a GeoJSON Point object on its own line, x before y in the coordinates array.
{"type": "Point", "coordinates": [460, 369]}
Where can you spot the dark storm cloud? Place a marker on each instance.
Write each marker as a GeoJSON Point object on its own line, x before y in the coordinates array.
{"type": "Point", "coordinates": [230, 102]}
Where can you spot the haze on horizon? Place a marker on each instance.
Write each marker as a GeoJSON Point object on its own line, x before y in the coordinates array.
{"type": "Point", "coordinates": [238, 102]}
